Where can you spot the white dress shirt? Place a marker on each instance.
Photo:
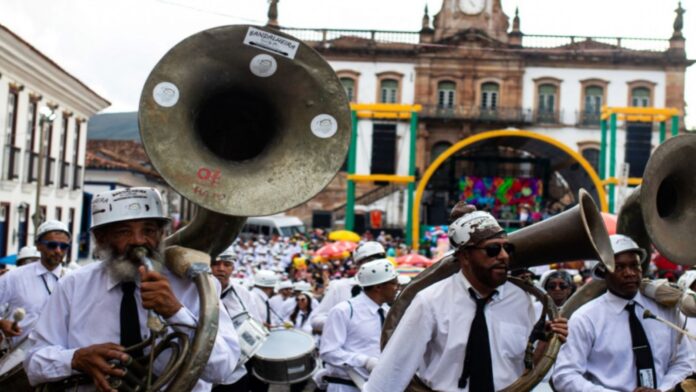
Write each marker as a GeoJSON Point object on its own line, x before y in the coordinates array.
{"type": "Point", "coordinates": [262, 304]}
{"type": "Point", "coordinates": [431, 338]}
{"type": "Point", "coordinates": [598, 353]}
{"type": "Point", "coordinates": [691, 327]}
{"type": "Point", "coordinates": [280, 305]}
{"type": "Point", "coordinates": [237, 300]}
{"type": "Point", "coordinates": [337, 292]}
{"type": "Point", "coordinates": [350, 337]}
{"type": "Point", "coordinates": [28, 287]}
{"type": "Point", "coordinates": [302, 322]}
{"type": "Point", "coordinates": [84, 310]}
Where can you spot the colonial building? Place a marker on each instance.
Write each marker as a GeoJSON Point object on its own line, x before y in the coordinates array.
{"type": "Point", "coordinates": [473, 69]}
{"type": "Point", "coordinates": [32, 84]}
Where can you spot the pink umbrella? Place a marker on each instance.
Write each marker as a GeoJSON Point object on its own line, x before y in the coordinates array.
{"type": "Point", "coordinates": [347, 245]}
{"type": "Point", "coordinates": [332, 251]}
{"type": "Point", "coordinates": [414, 259]}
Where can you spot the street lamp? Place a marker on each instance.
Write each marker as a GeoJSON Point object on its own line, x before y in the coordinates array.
{"type": "Point", "coordinates": [46, 117]}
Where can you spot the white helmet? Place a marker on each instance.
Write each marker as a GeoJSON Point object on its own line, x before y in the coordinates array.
{"type": "Point", "coordinates": [375, 272]}
{"type": "Point", "coordinates": [368, 249]}
{"type": "Point", "coordinates": [228, 254]}
{"type": "Point", "coordinates": [127, 204]}
{"type": "Point", "coordinates": [265, 278]}
{"type": "Point", "coordinates": [52, 225]}
{"type": "Point", "coordinates": [621, 244]}
{"type": "Point", "coordinates": [687, 279]}
{"type": "Point", "coordinates": [283, 284]}
{"type": "Point", "coordinates": [28, 252]}
{"type": "Point", "coordinates": [302, 286]}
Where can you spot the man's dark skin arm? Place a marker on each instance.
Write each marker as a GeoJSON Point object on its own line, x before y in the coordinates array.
{"type": "Point", "coordinates": [558, 326]}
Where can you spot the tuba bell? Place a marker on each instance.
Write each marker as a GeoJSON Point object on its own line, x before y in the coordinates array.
{"type": "Point", "coordinates": [578, 233]}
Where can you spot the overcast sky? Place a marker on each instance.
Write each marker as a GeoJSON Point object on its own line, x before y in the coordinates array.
{"type": "Point", "coordinates": [113, 45]}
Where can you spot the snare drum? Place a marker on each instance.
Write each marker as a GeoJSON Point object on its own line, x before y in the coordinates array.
{"type": "Point", "coordinates": [12, 375]}
{"type": "Point", "coordinates": [251, 335]}
{"type": "Point", "coordinates": [287, 357]}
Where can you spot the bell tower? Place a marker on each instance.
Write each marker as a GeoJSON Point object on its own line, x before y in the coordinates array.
{"type": "Point", "coordinates": [484, 16]}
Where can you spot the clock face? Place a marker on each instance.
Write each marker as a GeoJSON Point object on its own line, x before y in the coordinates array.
{"type": "Point", "coordinates": [472, 7]}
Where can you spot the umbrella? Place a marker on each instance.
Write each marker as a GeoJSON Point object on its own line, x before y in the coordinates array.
{"type": "Point", "coordinates": [11, 259]}
{"type": "Point", "coordinates": [347, 245]}
{"type": "Point", "coordinates": [610, 221]}
{"type": "Point", "coordinates": [414, 259]}
{"type": "Point", "coordinates": [344, 235]}
{"type": "Point", "coordinates": [408, 270]}
{"type": "Point", "coordinates": [332, 252]}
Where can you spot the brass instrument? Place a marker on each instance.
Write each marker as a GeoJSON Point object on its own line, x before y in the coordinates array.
{"type": "Point", "coordinates": [243, 121]}
{"type": "Point", "coordinates": [578, 233]}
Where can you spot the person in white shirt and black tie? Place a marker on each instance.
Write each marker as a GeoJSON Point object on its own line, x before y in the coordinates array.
{"type": "Point", "coordinates": [351, 335]}
{"type": "Point", "coordinates": [467, 332]}
{"type": "Point", "coordinates": [28, 287]}
{"type": "Point", "coordinates": [611, 347]}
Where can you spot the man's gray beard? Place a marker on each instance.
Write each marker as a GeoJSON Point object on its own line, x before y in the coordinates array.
{"type": "Point", "coordinates": [122, 268]}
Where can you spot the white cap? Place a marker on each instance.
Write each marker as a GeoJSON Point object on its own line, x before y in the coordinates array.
{"type": "Point", "coordinates": [127, 204]}
{"type": "Point", "coordinates": [28, 252]}
{"type": "Point", "coordinates": [375, 272]}
{"type": "Point", "coordinates": [368, 249]}
{"type": "Point", "coordinates": [302, 286]}
{"type": "Point", "coordinates": [265, 278]}
{"type": "Point", "coordinates": [621, 244]}
{"type": "Point", "coordinates": [52, 225]}
{"type": "Point", "coordinates": [228, 254]}
{"type": "Point", "coordinates": [687, 279]}
{"type": "Point", "coordinates": [284, 284]}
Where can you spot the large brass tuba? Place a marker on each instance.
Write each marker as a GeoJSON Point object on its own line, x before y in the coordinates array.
{"type": "Point", "coordinates": [243, 121]}
{"type": "Point", "coordinates": [578, 233]}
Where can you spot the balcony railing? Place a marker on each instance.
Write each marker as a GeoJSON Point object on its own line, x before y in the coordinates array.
{"type": "Point", "coordinates": [64, 174]}
{"type": "Point", "coordinates": [50, 171]}
{"type": "Point", "coordinates": [469, 113]}
{"type": "Point", "coordinates": [324, 35]}
{"type": "Point", "coordinates": [11, 162]}
{"type": "Point", "coordinates": [547, 117]}
{"type": "Point", "coordinates": [77, 177]}
{"type": "Point", "coordinates": [588, 119]}
{"type": "Point", "coordinates": [32, 164]}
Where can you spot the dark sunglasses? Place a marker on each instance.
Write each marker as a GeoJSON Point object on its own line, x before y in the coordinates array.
{"type": "Point", "coordinates": [493, 250]}
{"type": "Point", "coordinates": [561, 286]}
{"type": "Point", "coordinates": [52, 245]}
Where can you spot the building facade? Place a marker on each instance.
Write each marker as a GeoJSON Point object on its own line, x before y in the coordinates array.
{"type": "Point", "coordinates": [32, 84]}
{"type": "Point", "coordinates": [473, 70]}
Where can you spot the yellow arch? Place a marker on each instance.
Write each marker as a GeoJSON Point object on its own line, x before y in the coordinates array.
{"type": "Point", "coordinates": [491, 135]}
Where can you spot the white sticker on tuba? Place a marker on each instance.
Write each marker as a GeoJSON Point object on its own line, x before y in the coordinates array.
{"type": "Point", "coordinates": [271, 42]}
{"type": "Point", "coordinates": [263, 65]}
{"type": "Point", "coordinates": [166, 94]}
{"type": "Point", "coordinates": [324, 126]}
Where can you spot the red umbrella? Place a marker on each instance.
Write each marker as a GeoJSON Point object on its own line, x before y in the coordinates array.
{"type": "Point", "coordinates": [414, 259]}
{"type": "Point", "coordinates": [610, 222]}
{"type": "Point", "coordinates": [331, 251]}
{"type": "Point", "coordinates": [347, 245]}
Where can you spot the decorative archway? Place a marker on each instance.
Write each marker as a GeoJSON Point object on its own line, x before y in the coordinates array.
{"type": "Point", "coordinates": [563, 157]}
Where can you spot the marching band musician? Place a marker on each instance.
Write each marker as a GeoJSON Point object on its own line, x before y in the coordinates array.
{"type": "Point", "coordinates": [235, 300]}
{"type": "Point", "coordinates": [467, 332]}
{"type": "Point", "coordinates": [264, 283]}
{"type": "Point", "coordinates": [283, 300]}
{"type": "Point", "coordinates": [611, 347]}
{"type": "Point", "coordinates": [352, 330]}
{"type": "Point", "coordinates": [28, 255]}
{"type": "Point", "coordinates": [345, 288]}
{"type": "Point", "coordinates": [30, 286]}
{"type": "Point", "coordinates": [102, 308]}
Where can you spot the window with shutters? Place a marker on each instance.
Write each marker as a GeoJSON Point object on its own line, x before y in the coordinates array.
{"type": "Point", "coordinates": [592, 105]}
{"type": "Point", "coordinates": [591, 154]}
{"type": "Point", "coordinates": [547, 104]}
{"type": "Point", "coordinates": [445, 95]}
{"type": "Point", "coordinates": [349, 86]}
{"type": "Point", "coordinates": [388, 91]}
{"type": "Point", "coordinates": [489, 95]}
{"type": "Point", "coordinates": [640, 96]}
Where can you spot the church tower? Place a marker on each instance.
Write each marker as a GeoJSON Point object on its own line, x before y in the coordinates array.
{"type": "Point", "coordinates": [462, 17]}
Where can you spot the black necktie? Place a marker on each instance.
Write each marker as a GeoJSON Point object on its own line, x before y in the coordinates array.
{"type": "Point", "coordinates": [355, 290]}
{"type": "Point", "coordinates": [130, 323]}
{"type": "Point", "coordinates": [381, 316]}
{"type": "Point", "coordinates": [477, 360]}
{"type": "Point", "coordinates": [645, 367]}
{"type": "Point", "coordinates": [268, 312]}
{"type": "Point", "coordinates": [302, 318]}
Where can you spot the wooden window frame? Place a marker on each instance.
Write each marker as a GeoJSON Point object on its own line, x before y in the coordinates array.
{"type": "Point", "coordinates": [538, 82]}
{"type": "Point", "coordinates": [399, 77]}
{"type": "Point", "coordinates": [437, 92]}
{"type": "Point", "coordinates": [350, 74]}
{"type": "Point", "coordinates": [11, 128]}
{"type": "Point", "coordinates": [585, 84]}
{"type": "Point", "coordinates": [479, 95]}
{"type": "Point", "coordinates": [641, 83]}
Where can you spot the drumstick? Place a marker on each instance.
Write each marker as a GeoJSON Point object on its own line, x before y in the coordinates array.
{"type": "Point", "coordinates": [649, 314]}
{"type": "Point", "coordinates": [356, 378]}
{"type": "Point", "coordinates": [18, 316]}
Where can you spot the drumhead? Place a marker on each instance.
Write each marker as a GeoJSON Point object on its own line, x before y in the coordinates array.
{"type": "Point", "coordinates": [283, 344]}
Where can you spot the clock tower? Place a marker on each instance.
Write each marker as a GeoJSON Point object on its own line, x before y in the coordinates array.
{"type": "Point", "coordinates": [464, 16]}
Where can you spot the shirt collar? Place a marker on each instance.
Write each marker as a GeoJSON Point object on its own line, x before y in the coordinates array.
{"type": "Point", "coordinates": [41, 269]}
{"type": "Point", "coordinates": [372, 306]}
{"type": "Point", "coordinates": [618, 304]}
{"type": "Point", "coordinates": [111, 282]}
{"type": "Point", "coordinates": [498, 295]}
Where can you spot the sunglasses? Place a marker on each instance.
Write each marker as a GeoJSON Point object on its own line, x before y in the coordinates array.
{"type": "Point", "coordinates": [52, 245]}
{"type": "Point", "coordinates": [493, 250]}
{"type": "Point", "coordinates": [561, 286]}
